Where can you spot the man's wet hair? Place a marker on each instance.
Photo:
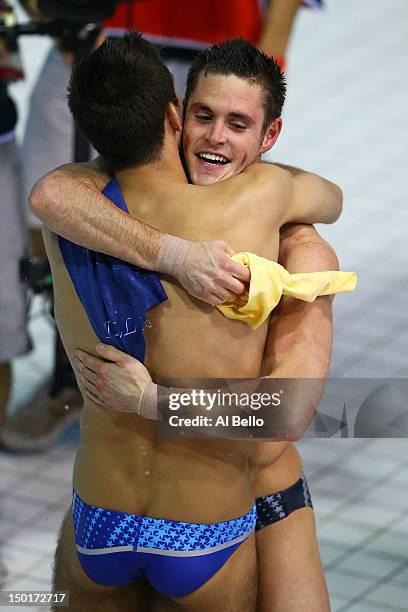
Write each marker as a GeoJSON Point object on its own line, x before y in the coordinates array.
{"type": "Point", "coordinates": [239, 58]}
{"type": "Point", "coordinates": [118, 97]}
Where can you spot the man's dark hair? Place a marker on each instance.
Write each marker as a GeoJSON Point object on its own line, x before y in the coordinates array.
{"type": "Point", "coordinates": [118, 97]}
{"type": "Point", "coordinates": [239, 58]}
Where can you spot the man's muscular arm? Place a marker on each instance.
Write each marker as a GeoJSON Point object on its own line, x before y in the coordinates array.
{"type": "Point", "coordinates": [297, 196]}
{"type": "Point", "coordinates": [277, 28]}
{"type": "Point", "coordinates": [70, 203]}
{"type": "Point", "coordinates": [299, 341]}
{"type": "Point", "coordinates": [299, 345]}
{"type": "Point", "coordinates": [300, 335]}
{"type": "Point", "coordinates": [315, 199]}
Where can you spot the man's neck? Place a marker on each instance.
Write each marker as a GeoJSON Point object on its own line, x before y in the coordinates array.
{"type": "Point", "coordinates": [157, 175]}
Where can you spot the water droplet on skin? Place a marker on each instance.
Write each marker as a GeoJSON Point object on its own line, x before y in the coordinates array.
{"type": "Point", "coordinates": [147, 473]}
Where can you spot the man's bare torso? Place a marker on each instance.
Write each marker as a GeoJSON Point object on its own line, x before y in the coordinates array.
{"type": "Point", "coordinates": [121, 464]}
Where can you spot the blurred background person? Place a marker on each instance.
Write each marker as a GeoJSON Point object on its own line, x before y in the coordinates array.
{"type": "Point", "coordinates": [13, 336]}
{"type": "Point", "coordinates": [182, 28]}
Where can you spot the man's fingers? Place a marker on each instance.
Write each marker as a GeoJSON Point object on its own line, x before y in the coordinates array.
{"type": "Point", "coordinates": [92, 389]}
{"type": "Point", "coordinates": [91, 362]}
{"type": "Point", "coordinates": [229, 251]}
{"type": "Point", "coordinates": [95, 398]}
{"type": "Point", "coordinates": [91, 369]}
{"type": "Point", "coordinates": [110, 352]}
{"type": "Point", "coordinates": [233, 287]}
{"type": "Point", "coordinates": [239, 271]}
{"type": "Point", "coordinates": [226, 297]}
{"type": "Point", "coordinates": [87, 384]}
{"type": "Point", "coordinates": [213, 299]}
{"type": "Point", "coordinates": [89, 375]}
{"type": "Point", "coordinates": [220, 295]}
{"type": "Point", "coordinates": [211, 275]}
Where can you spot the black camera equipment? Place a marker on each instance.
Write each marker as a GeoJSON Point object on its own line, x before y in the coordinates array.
{"type": "Point", "coordinates": [85, 11]}
{"type": "Point", "coordinates": [77, 30]}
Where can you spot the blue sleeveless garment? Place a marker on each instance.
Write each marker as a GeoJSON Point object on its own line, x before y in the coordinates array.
{"type": "Point", "coordinates": [116, 295]}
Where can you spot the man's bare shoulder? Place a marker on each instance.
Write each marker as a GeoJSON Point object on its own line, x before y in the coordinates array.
{"type": "Point", "coordinates": [94, 173]}
{"type": "Point", "coordinates": [265, 175]}
{"type": "Point", "coordinates": [268, 171]}
{"type": "Point", "coordinates": [257, 182]}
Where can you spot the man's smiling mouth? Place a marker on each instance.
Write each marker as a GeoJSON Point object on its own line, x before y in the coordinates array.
{"type": "Point", "coordinates": [212, 158]}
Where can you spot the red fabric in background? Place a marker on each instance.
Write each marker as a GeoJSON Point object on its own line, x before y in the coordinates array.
{"type": "Point", "coordinates": [202, 21]}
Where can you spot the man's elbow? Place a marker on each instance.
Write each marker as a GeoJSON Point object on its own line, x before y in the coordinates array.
{"type": "Point", "coordinates": [337, 203]}
{"type": "Point", "coordinates": [44, 194]}
{"type": "Point", "coordinates": [40, 197]}
{"type": "Point", "coordinates": [291, 432]}
{"type": "Point", "coordinates": [321, 257]}
{"type": "Point", "coordinates": [295, 436]}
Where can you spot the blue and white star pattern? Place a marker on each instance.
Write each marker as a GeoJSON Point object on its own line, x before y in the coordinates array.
{"type": "Point", "coordinates": [98, 528]}
{"type": "Point", "coordinates": [176, 558]}
{"type": "Point", "coordinates": [275, 507]}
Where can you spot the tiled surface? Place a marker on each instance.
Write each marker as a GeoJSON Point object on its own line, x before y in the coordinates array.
{"type": "Point", "coordinates": [345, 119]}
{"type": "Point", "coordinates": [363, 533]}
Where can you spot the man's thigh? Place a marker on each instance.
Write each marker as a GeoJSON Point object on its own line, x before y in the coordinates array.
{"type": "Point", "coordinates": [290, 573]}
{"type": "Point", "coordinates": [232, 589]}
{"type": "Point", "coordinates": [84, 594]}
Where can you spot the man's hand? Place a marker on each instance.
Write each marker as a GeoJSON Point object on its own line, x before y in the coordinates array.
{"type": "Point", "coordinates": [116, 381]}
{"type": "Point", "coordinates": [210, 274]}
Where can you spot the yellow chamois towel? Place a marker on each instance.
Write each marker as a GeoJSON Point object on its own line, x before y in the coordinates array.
{"type": "Point", "coordinates": [270, 280]}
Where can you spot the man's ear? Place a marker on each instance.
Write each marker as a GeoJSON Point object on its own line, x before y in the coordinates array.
{"type": "Point", "coordinates": [271, 135]}
{"type": "Point", "coordinates": [173, 118]}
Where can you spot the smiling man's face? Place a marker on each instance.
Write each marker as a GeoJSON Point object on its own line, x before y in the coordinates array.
{"type": "Point", "coordinates": [223, 128]}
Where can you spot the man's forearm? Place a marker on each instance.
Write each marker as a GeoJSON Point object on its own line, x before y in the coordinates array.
{"type": "Point", "coordinates": [280, 17]}
{"type": "Point", "coordinates": [300, 334]}
{"type": "Point", "coordinates": [89, 219]}
{"type": "Point", "coordinates": [299, 341]}
{"type": "Point", "coordinates": [335, 189]}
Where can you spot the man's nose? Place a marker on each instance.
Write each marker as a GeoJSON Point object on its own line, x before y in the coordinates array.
{"type": "Point", "coordinates": [216, 134]}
